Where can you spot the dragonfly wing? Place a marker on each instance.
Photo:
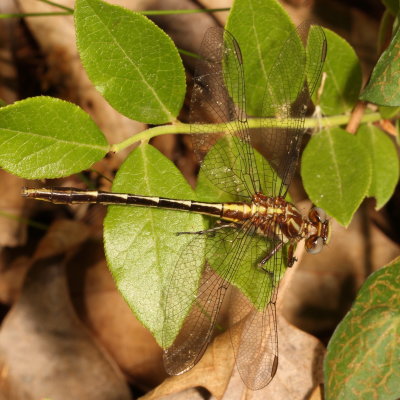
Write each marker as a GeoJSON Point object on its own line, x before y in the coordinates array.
{"type": "Point", "coordinates": [218, 97]}
{"type": "Point", "coordinates": [292, 80]}
{"type": "Point", "coordinates": [190, 316]}
{"type": "Point", "coordinates": [255, 340]}
{"type": "Point", "coordinates": [254, 331]}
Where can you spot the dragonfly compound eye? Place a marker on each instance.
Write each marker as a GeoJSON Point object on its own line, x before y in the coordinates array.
{"type": "Point", "coordinates": [314, 244]}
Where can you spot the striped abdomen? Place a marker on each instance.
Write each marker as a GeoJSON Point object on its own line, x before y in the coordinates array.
{"type": "Point", "coordinates": [235, 212]}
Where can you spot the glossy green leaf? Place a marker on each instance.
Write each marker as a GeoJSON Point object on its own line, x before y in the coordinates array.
{"type": "Point", "coordinates": [250, 280]}
{"type": "Point", "coordinates": [385, 163]}
{"type": "Point", "coordinates": [44, 137]}
{"type": "Point", "coordinates": [383, 87]}
{"type": "Point", "coordinates": [336, 172]}
{"type": "Point", "coordinates": [363, 359]}
{"type": "Point", "coordinates": [343, 77]}
{"type": "Point", "coordinates": [141, 244]}
{"type": "Point", "coordinates": [261, 39]}
{"type": "Point", "coordinates": [131, 61]}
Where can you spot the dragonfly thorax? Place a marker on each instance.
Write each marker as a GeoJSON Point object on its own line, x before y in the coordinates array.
{"type": "Point", "coordinates": [276, 217]}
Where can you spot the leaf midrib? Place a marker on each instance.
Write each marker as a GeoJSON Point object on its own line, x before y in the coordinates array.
{"type": "Point", "coordinates": [51, 138]}
{"type": "Point", "coordinates": [151, 89]}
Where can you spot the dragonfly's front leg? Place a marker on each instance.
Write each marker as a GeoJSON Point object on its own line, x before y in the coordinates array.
{"type": "Point", "coordinates": [269, 256]}
{"type": "Point", "coordinates": [291, 258]}
{"type": "Point", "coordinates": [219, 225]}
{"type": "Point", "coordinates": [278, 247]}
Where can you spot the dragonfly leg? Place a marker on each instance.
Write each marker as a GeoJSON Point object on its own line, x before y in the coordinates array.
{"type": "Point", "coordinates": [218, 226]}
{"type": "Point", "coordinates": [270, 255]}
{"type": "Point", "coordinates": [291, 258]}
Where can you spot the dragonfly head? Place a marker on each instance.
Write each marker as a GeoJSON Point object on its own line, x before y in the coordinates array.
{"type": "Point", "coordinates": [321, 231]}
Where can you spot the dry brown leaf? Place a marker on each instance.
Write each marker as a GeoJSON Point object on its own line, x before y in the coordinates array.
{"type": "Point", "coordinates": [299, 370]}
{"type": "Point", "coordinates": [212, 372]}
{"type": "Point", "coordinates": [8, 73]}
{"type": "Point", "coordinates": [12, 276]}
{"type": "Point", "coordinates": [325, 285]}
{"type": "Point", "coordinates": [317, 394]}
{"type": "Point", "coordinates": [45, 351]}
{"type": "Point", "coordinates": [62, 236]}
{"type": "Point", "coordinates": [388, 127]}
{"type": "Point", "coordinates": [105, 312]}
{"type": "Point", "coordinates": [12, 232]}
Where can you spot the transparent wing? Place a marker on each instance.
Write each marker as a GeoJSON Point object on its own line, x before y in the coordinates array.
{"type": "Point", "coordinates": [218, 97]}
{"type": "Point", "coordinates": [291, 81]}
{"type": "Point", "coordinates": [193, 313]}
{"type": "Point", "coordinates": [232, 258]}
{"type": "Point", "coordinates": [254, 334]}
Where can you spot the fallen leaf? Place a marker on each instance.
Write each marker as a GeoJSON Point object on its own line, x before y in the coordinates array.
{"type": "Point", "coordinates": [299, 370]}
{"type": "Point", "coordinates": [45, 351]}
{"type": "Point", "coordinates": [100, 305]}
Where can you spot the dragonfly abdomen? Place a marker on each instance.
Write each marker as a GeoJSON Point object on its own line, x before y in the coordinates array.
{"type": "Point", "coordinates": [63, 195]}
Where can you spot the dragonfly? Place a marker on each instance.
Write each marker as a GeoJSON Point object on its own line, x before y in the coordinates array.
{"type": "Point", "coordinates": [253, 236]}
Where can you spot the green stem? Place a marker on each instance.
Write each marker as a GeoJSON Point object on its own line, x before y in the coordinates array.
{"type": "Point", "coordinates": [254, 123]}
{"type": "Point", "coordinates": [52, 3]}
{"type": "Point", "coordinates": [70, 11]}
{"type": "Point", "coordinates": [35, 224]}
{"type": "Point", "coordinates": [39, 14]}
{"type": "Point", "coordinates": [189, 53]}
{"type": "Point", "coordinates": [187, 11]}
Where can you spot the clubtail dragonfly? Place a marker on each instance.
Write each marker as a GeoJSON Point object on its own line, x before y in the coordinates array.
{"type": "Point", "coordinates": [252, 231]}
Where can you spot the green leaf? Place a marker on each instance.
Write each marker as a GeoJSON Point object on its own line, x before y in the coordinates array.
{"type": "Point", "coordinates": [261, 39]}
{"type": "Point", "coordinates": [336, 172]}
{"type": "Point", "coordinates": [2, 103]}
{"type": "Point", "coordinates": [132, 62]}
{"type": "Point", "coordinates": [343, 76]}
{"type": "Point", "coordinates": [383, 87]}
{"type": "Point", "coordinates": [257, 289]}
{"type": "Point", "coordinates": [141, 245]}
{"type": "Point", "coordinates": [363, 358]}
{"type": "Point", "coordinates": [44, 137]}
{"type": "Point", "coordinates": [385, 163]}
{"type": "Point", "coordinates": [389, 112]}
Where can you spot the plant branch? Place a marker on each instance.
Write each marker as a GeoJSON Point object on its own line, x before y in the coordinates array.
{"type": "Point", "coordinates": [356, 117]}
{"type": "Point", "coordinates": [70, 11]}
{"type": "Point", "coordinates": [52, 3]}
{"type": "Point", "coordinates": [186, 11]}
{"type": "Point", "coordinates": [39, 14]}
{"type": "Point", "coordinates": [27, 221]}
{"type": "Point", "coordinates": [253, 123]}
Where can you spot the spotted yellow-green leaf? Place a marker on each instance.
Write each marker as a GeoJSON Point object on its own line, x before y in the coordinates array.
{"type": "Point", "coordinates": [44, 137]}
{"type": "Point", "coordinates": [383, 87]}
{"type": "Point", "coordinates": [131, 61]}
{"type": "Point", "coordinates": [336, 172]}
{"type": "Point", "coordinates": [363, 358]}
